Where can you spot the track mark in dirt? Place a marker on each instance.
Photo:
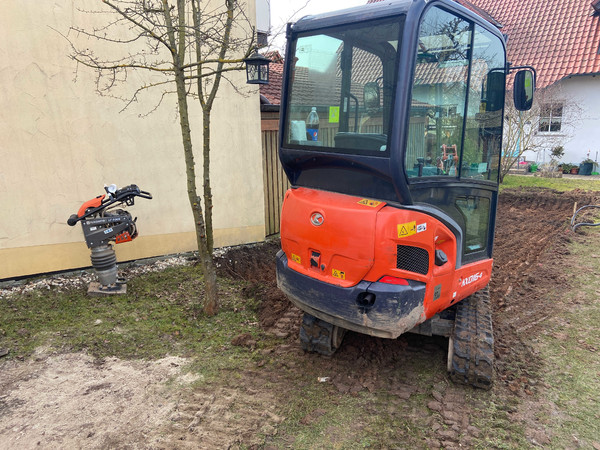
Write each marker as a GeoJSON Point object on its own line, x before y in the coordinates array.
{"type": "Point", "coordinates": [453, 428]}
{"type": "Point", "coordinates": [532, 234]}
{"type": "Point", "coordinates": [224, 417]}
{"type": "Point", "coordinates": [288, 324]}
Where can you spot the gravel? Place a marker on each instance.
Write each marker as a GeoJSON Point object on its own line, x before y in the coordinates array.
{"type": "Point", "coordinates": [82, 278]}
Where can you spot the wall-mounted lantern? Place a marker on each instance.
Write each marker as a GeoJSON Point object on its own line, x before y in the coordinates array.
{"type": "Point", "coordinates": [257, 69]}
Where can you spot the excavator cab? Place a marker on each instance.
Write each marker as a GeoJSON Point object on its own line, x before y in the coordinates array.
{"type": "Point", "coordinates": [390, 135]}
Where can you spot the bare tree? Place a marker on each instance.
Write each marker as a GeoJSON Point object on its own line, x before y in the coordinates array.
{"type": "Point", "coordinates": [518, 136]}
{"type": "Point", "coordinates": [522, 128]}
{"type": "Point", "coordinates": [187, 47]}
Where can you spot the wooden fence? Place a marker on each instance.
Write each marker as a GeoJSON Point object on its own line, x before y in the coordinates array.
{"type": "Point", "coordinates": [275, 180]}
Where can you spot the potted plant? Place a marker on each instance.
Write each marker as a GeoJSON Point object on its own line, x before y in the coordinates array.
{"type": "Point", "coordinates": [574, 170]}
{"type": "Point", "coordinates": [566, 167]}
{"type": "Point", "coordinates": [586, 167]}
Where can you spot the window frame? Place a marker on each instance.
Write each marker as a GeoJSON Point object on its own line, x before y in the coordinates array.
{"type": "Point", "coordinates": [551, 105]}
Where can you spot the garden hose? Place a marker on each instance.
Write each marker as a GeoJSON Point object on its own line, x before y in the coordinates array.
{"type": "Point", "coordinates": [574, 225]}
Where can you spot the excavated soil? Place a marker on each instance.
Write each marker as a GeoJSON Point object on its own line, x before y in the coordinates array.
{"type": "Point", "coordinates": [532, 231]}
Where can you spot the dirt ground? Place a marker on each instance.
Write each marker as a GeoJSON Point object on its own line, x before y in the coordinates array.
{"type": "Point", "coordinates": [74, 401]}
{"type": "Point", "coordinates": [530, 247]}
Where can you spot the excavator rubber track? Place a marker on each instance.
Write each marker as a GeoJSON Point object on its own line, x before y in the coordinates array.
{"type": "Point", "coordinates": [318, 336]}
{"type": "Point", "coordinates": [471, 347]}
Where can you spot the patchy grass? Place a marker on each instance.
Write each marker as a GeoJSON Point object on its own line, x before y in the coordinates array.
{"type": "Point", "coordinates": [493, 417]}
{"type": "Point", "coordinates": [560, 184]}
{"type": "Point", "coordinates": [161, 314]}
{"type": "Point", "coordinates": [571, 349]}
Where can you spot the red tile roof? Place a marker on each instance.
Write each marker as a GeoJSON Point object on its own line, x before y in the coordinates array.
{"type": "Point", "coordinates": [558, 37]}
{"type": "Point", "coordinates": [272, 91]}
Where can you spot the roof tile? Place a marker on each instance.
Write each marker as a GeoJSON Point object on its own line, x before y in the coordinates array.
{"type": "Point", "coordinates": [558, 37]}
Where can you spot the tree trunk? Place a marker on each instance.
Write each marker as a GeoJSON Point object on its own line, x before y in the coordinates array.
{"type": "Point", "coordinates": [208, 201]}
{"type": "Point", "coordinates": [205, 256]}
{"type": "Point", "coordinates": [177, 46]}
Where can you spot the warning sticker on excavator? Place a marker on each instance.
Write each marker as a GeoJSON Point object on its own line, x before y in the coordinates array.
{"type": "Point", "coordinates": [338, 274]}
{"type": "Point", "coordinates": [407, 229]}
{"type": "Point", "coordinates": [371, 203]}
{"type": "Point", "coordinates": [296, 258]}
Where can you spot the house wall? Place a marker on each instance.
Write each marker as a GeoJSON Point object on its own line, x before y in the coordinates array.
{"type": "Point", "coordinates": [60, 142]}
{"type": "Point", "coordinates": [581, 132]}
{"type": "Point", "coordinates": [584, 92]}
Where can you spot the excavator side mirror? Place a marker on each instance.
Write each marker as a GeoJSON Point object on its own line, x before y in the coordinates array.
{"type": "Point", "coordinates": [371, 95]}
{"type": "Point", "coordinates": [524, 88]}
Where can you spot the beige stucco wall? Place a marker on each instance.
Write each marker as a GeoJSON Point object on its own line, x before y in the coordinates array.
{"type": "Point", "coordinates": [60, 142]}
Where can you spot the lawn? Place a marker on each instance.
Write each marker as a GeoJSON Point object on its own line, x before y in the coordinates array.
{"type": "Point", "coordinates": [559, 184]}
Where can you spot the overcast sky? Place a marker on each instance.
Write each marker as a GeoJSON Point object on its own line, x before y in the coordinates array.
{"type": "Point", "coordinates": [284, 11]}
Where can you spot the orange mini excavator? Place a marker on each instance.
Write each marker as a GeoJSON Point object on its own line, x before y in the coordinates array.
{"type": "Point", "coordinates": [391, 135]}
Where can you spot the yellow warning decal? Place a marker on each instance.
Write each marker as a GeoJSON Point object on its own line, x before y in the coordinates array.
{"type": "Point", "coordinates": [296, 258]}
{"type": "Point", "coordinates": [371, 203]}
{"type": "Point", "coordinates": [338, 274]}
{"type": "Point", "coordinates": [407, 229]}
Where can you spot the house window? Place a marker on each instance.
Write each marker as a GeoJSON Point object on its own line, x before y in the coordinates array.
{"type": "Point", "coordinates": [551, 117]}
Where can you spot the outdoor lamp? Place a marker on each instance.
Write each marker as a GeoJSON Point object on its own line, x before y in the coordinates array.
{"type": "Point", "coordinates": [257, 69]}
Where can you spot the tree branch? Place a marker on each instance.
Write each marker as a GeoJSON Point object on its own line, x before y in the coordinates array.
{"type": "Point", "coordinates": [94, 64]}
{"type": "Point", "coordinates": [141, 25]}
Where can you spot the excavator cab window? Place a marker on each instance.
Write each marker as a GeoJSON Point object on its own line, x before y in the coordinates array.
{"type": "Point", "coordinates": [455, 127]}
{"type": "Point", "coordinates": [341, 88]}
{"type": "Point", "coordinates": [405, 108]}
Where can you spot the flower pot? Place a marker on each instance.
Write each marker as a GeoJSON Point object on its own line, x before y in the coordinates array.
{"type": "Point", "coordinates": [586, 168]}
